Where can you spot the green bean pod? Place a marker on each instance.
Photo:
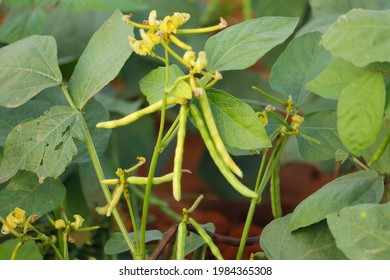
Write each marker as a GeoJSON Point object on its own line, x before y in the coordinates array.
{"type": "Point", "coordinates": [216, 137]}
{"type": "Point", "coordinates": [207, 239]}
{"type": "Point", "coordinates": [135, 180]}
{"type": "Point", "coordinates": [229, 176]}
{"type": "Point", "coordinates": [275, 191]}
{"type": "Point", "coordinates": [379, 152]}
{"type": "Point", "coordinates": [115, 199]}
{"type": "Point", "coordinates": [181, 241]}
{"type": "Point", "coordinates": [177, 165]}
{"type": "Point", "coordinates": [136, 115]}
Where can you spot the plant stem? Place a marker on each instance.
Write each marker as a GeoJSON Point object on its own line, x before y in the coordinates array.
{"type": "Point", "coordinates": [100, 174]}
{"type": "Point", "coordinates": [268, 96]}
{"type": "Point", "coordinates": [247, 9]}
{"type": "Point", "coordinates": [153, 164]}
{"type": "Point", "coordinates": [65, 235]}
{"type": "Point", "coordinates": [132, 216]}
{"type": "Point", "coordinates": [16, 250]}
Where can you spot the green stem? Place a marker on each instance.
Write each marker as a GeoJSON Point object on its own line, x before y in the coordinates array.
{"type": "Point", "coordinates": [268, 96]}
{"type": "Point", "coordinates": [16, 250]}
{"type": "Point", "coordinates": [58, 253]}
{"type": "Point", "coordinates": [65, 235]}
{"type": "Point", "coordinates": [261, 182]}
{"type": "Point", "coordinates": [100, 174]}
{"type": "Point", "coordinates": [153, 164]}
{"type": "Point", "coordinates": [132, 217]}
{"type": "Point", "coordinates": [247, 9]}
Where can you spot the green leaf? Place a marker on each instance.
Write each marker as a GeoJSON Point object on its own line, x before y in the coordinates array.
{"type": "Point", "coordinates": [335, 77]}
{"type": "Point", "coordinates": [117, 244]}
{"type": "Point", "coordinates": [194, 241]}
{"type": "Point", "coordinates": [22, 23]}
{"type": "Point", "coordinates": [237, 123]}
{"type": "Point", "coordinates": [357, 37]}
{"type": "Point", "coordinates": [44, 145]}
{"type": "Point", "coordinates": [317, 24]}
{"type": "Point", "coordinates": [382, 166]}
{"type": "Point", "coordinates": [240, 46]}
{"type": "Point", "coordinates": [362, 231]}
{"type": "Point", "coordinates": [27, 67]}
{"type": "Point", "coordinates": [321, 126]}
{"type": "Point", "coordinates": [301, 62]}
{"type": "Point", "coordinates": [311, 243]}
{"type": "Point", "coordinates": [360, 112]}
{"type": "Point", "coordinates": [326, 7]}
{"type": "Point", "coordinates": [9, 118]}
{"type": "Point", "coordinates": [27, 3]}
{"type": "Point", "coordinates": [86, 23]}
{"type": "Point", "coordinates": [295, 8]}
{"type": "Point", "coordinates": [359, 187]}
{"type": "Point", "coordinates": [182, 89]}
{"type": "Point", "coordinates": [102, 59]}
{"type": "Point", "coordinates": [25, 191]}
{"type": "Point", "coordinates": [153, 84]}
{"type": "Point", "coordinates": [29, 250]}
{"type": "Point", "coordinates": [124, 5]}
{"type": "Point", "coordinates": [94, 112]}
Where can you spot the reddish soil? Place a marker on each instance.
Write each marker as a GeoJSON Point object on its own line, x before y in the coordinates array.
{"type": "Point", "coordinates": [297, 182]}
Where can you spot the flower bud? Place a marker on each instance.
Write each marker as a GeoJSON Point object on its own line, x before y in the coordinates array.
{"type": "Point", "coordinates": [189, 56]}
{"type": "Point", "coordinates": [152, 20]}
{"type": "Point", "coordinates": [201, 62]}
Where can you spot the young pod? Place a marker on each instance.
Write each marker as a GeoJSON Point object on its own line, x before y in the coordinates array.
{"type": "Point", "coordinates": [229, 176]}
{"type": "Point", "coordinates": [212, 127]}
{"type": "Point", "coordinates": [379, 152]}
{"type": "Point", "coordinates": [275, 192]}
{"type": "Point", "coordinates": [207, 239]}
{"type": "Point", "coordinates": [181, 241]}
{"type": "Point", "coordinates": [177, 167]}
{"type": "Point", "coordinates": [136, 115]}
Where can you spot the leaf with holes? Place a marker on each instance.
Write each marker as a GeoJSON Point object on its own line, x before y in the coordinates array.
{"type": "Point", "coordinates": [102, 59]}
{"type": "Point", "coordinates": [44, 145]}
{"type": "Point", "coordinates": [27, 67]}
{"type": "Point", "coordinates": [25, 191]}
{"type": "Point", "coordinates": [362, 231]}
{"type": "Point", "coordinates": [240, 46]}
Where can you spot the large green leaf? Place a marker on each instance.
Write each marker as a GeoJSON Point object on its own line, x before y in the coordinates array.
{"type": "Point", "coordinates": [22, 23]}
{"type": "Point", "coordinates": [102, 59]}
{"type": "Point", "coordinates": [117, 244]}
{"type": "Point", "coordinates": [383, 164]}
{"type": "Point", "coordinates": [295, 8]}
{"type": "Point", "coordinates": [321, 126]}
{"type": "Point", "coordinates": [94, 112]}
{"type": "Point", "coordinates": [240, 46]}
{"type": "Point", "coordinates": [27, 67]}
{"type": "Point", "coordinates": [44, 145]}
{"type": "Point", "coordinates": [362, 231]}
{"type": "Point", "coordinates": [311, 243]}
{"type": "Point", "coordinates": [9, 118]}
{"type": "Point", "coordinates": [317, 24]}
{"type": "Point", "coordinates": [153, 84]}
{"type": "Point", "coordinates": [360, 112]}
{"type": "Point", "coordinates": [358, 37]}
{"type": "Point", "coordinates": [359, 187]}
{"type": "Point", "coordinates": [25, 191]}
{"type": "Point", "coordinates": [29, 250]}
{"type": "Point", "coordinates": [70, 43]}
{"type": "Point", "coordinates": [336, 76]}
{"type": "Point", "coordinates": [239, 126]}
{"type": "Point", "coordinates": [302, 60]}
{"type": "Point", "coordinates": [326, 7]}
{"type": "Point", "coordinates": [123, 5]}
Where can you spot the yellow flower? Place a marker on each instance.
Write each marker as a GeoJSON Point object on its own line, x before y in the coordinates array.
{"type": "Point", "coordinates": [189, 56]}
{"type": "Point", "coordinates": [152, 20]}
{"type": "Point", "coordinates": [59, 224]}
{"type": "Point", "coordinates": [201, 62]}
{"type": "Point", "coordinates": [78, 222]}
{"type": "Point", "coordinates": [140, 47]}
{"type": "Point", "coordinates": [171, 23]}
{"type": "Point", "coordinates": [297, 120]}
{"type": "Point", "coordinates": [14, 219]}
